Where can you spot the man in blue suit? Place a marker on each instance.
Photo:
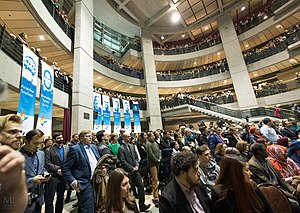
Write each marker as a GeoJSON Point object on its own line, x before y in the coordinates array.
{"type": "Point", "coordinates": [78, 170]}
{"type": "Point", "coordinates": [36, 173]}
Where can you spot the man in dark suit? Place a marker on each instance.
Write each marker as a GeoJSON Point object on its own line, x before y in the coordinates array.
{"type": "Point", "coordinates": [129, 162]}
{"type": "Point", "coordinates": [78, 170]}
{"type": "Point", "coordinates": [36, 173]}
{"type": "Point", "coordinates": [185, 192]}
{"type": "Point", "coordinates": [55, 157]}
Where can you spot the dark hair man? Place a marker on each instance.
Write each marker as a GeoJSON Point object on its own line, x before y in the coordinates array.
{"type": "Point", "coordinates": [185, 192]}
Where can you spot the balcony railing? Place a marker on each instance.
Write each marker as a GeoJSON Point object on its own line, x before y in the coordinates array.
{"type": "Point", "coordinates": [61, 23]}
{"type": "Point", "coordinates": [14, 50]}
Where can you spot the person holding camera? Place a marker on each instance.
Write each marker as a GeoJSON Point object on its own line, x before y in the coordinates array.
{"type": "Point", "coordinates": [36, 173]}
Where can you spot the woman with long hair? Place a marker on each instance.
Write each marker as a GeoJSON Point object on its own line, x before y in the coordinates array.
{"type": "Point", "coordinates": [118, 199]}
{"type": "Point", "coordinates": [234, 191]}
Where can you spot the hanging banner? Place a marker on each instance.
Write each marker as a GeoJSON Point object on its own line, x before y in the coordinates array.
{"type": "Point", "coordinates": [136, 117]}
{"type": "Point", "coordinates": [117, 115]}
{"type": "Point", "coordinates": [28, 89]}
{"type": "Point", "coordinates": [106, 114]}
{"type": "Point", "coordinates": [98, 112]}
{"type": "Point", "coordinates": [127, 122]}
{"type": "Point", "coordinates": [44, 122]}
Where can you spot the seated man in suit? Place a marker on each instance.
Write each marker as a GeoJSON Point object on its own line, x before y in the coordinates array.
{"type": "Point", "coordinates": [185, 192]}
{"type": "Point", "coordinates": [78, 169]}
{"type": "Point", "coordinates": [55, 157]}
{"type": "Point", "coordinates": [264, 172]}
{"type": "Point", "coordinates": [36, 173]}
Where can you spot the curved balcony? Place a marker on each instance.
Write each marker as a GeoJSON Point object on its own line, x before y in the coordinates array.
{"type": "Point", "coordinates": [15, 51]}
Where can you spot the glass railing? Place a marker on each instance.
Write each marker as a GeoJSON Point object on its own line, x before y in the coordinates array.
{"type": "Point", "coordinates": [115, 67]}
{"type": "Point", "coordinates": [236, 113]}
{"type": "Point", "coordinates": [276, 48]}
{"type": "Point", "coordinates": [59, 20]}
{"type": "Point", "coordinates": [14, 50]}
{"type": "Point", "coordinates": [188, 48]}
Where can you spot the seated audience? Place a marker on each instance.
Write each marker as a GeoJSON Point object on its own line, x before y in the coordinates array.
{"type": "Point", "coordinates": [294, 152]}
{"type": "Point", "coordinates": [243, 148]}
{"type": "Point", "coordinates": [220, 152]}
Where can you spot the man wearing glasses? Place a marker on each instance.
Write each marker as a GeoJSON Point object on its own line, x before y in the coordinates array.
{"type": "Point", "coordinates": [11, 130]}
{"type": "Point", "coordinates": [78, 169]}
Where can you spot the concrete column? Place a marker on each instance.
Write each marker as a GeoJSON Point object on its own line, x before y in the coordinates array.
{"type": "Point", "coordinates": [82, 97]}
{"type": "Point", "coordinates": [237, 66]}
{"type": "Point", "coordinates": [153, 106]}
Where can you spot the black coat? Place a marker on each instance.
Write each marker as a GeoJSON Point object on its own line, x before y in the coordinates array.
{"type": "Point", "coordinates": [173, 199]}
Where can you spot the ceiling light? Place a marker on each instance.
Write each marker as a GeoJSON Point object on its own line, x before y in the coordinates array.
{"type": "Point", "coordinates": [278, 26]}
{"type": "Point", "coordinates": [182, 35]}
{"type": "Point", "coordinates": [293, 61]}
{"type": "Point", "coordinates": [99, 77]}
{"type": "Point", "coordinates": [162, 37]}
{"type": "Point", "coordinates": [41, 37]}
{"type": "Point", "coordinates": [130, 87]}
{"type": "Point", "coordinates": [255, 74]}
{"type": "Point", "coordinates": [265, 17]}
{"type": "Point", "coordinates": [179, 88]}
{"type": "Point", "coordinates": [218, 53]}
{"type": "Point", "coordinates": [225, 81]}
{"type": "Point", "coordinates": [206, 28]}
{"type": "Point", "coordinates": [195, 63]}
{"type": "Point", "coordinates": [175, 17]}
{"type": "Point", "coordinates": [247, 45]}
{"type": "Point", "coordinates": [116, 87]}
{"type": "Point", "coordinates": [200, 88]}
{"type": "Point", "coordinates": [243, 8]}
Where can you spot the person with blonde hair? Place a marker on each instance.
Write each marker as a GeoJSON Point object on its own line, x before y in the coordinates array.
{"type": "Point", "coordinates": [11, 130]}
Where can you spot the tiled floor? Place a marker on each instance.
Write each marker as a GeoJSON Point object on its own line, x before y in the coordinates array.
{"type": "Point", "coordinates": [69, 209]}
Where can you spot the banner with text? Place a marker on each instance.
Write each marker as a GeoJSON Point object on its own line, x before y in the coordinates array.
{"type": "Point", "coordinates": [98, 112]}
{"type": "Point", "coordinates": [117, 115]}
{"type": "Point", "coordinates": [44, 122]}
{"type": "Point", "coordinates": [106, 114]}
{"type": "Point", "coordinates": [136, 117]}
{"type": "Point", "coordinates": [127, 122]}
{"type": "Point", "coordinates": [28, 89]}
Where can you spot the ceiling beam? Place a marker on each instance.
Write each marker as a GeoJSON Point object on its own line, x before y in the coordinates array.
{"type": "Point", "coordinates": [220, 5]}
{"type": "Point", "coordinates": [122, 5]}
{"type": "Point", "coordinates": [158, 15]}
{"type": "Point", "coordinates": [170, 37]}
{"type": "Point", "coordinates": [158, 40]}
{"type": "Point", "coordinates": [127, 10]}
{"type": "Point", "coordinates": [191, 35]}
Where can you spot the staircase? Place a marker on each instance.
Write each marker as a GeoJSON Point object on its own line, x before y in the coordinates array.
{"type": "Point", "coordinates": [234, 115]}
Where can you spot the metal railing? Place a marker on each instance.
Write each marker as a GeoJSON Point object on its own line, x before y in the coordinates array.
{"type": "Point", "coordinates": [59, 20]}
{"type": "Point", "coordinates": [237, 113]}
{"type": "Point", "coordinates": [14, 50]}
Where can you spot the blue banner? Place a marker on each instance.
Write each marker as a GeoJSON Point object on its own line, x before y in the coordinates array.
{"type": "Point", "coordinates": [98, 111]}
{"type": "Point", "coordinates": [127, 122]}
{"type": "Point", "coordinates": [28, 89]}
{"type": "Point", "coordinates": [106, 114]}
{"type": "Point", "coordinates": [136, 117]}
{"type": "Point", "coordinates": [44, 122]}
{"type": "Point", "coordinates": [117, 115]}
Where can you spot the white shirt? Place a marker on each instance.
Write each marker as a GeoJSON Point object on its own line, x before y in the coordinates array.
{"type": "Point", "coordinates": [92, 159]}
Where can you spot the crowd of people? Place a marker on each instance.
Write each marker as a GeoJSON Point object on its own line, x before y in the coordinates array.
{"type": "Point", "coordinates": [197, 72]}
{"type": "Point", "coordinates": [215, 162]}
{"type": "Point", "coordinates": [265, 89]}
{"type": "Point", "coordinates": [141, 100]}
{"type": "Point", "coordinates": [173, 49]}
{"type": "Point", "coordinates": [180, 98]}
{"type": "Point", "coordinates": [59, 12]}
{"type": "Point", "coordinates": [273, 46]}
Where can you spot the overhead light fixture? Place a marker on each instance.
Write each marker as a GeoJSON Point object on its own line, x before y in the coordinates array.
{"type": "Point", "coordinates": [278, 26]}
{"type": "Point", "coordinates": [99, 77]}
{"type": "Point", "coordinates": [247, 45]}
{"type": "Point", "coordinates": [218, 53]}
{"type": "Point", "coordinates": [225, 81]}
{"type": "Point", "coordinates": [200, 88]}
{"type": "Point", "coordinates": [116, 87]}
{"type": "Point", "coordinates": [179, 88]}
{"type": "Point", "coordinates": [206, 28]}
{"type": "Point", "coordinates": [265, 17]}
{"type": "Point", "coordinates": [195, 63]}
{"type": "Point", "coordinates": [41, 37]}
{"type": "Point", "coordinates": [162, 37]}
{"type": "Point", "coordinates": [293, 61]}
{"type": "Point", "coordinates": [130, 87]}
{"type": "Point", "coordinates": [182, 35]}
{"type": "Point", "coordinates": [175, 17]}
{"type": "Point", "coordinates": [243, 8]}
